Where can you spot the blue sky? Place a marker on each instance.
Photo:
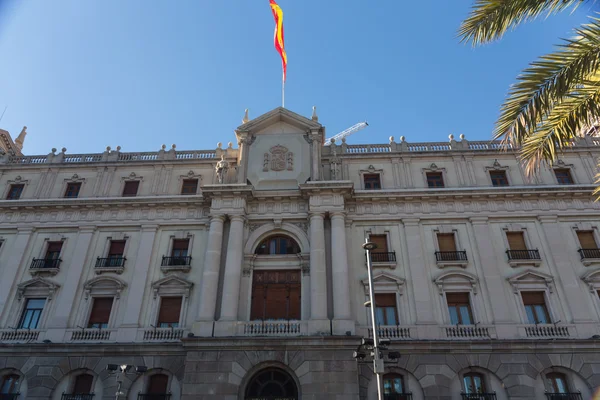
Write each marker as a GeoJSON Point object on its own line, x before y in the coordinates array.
{"type": "Point", "coordinates": [86, 74]}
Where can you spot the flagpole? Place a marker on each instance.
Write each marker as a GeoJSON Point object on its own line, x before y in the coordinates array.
{"type": "Point", "coordinates": [282, 92]}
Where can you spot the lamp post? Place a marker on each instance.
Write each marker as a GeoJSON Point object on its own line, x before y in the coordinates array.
{"type": "Point", "coordinates": [377, 361]}
{"type": "Point", "coordinates": [122, 370]}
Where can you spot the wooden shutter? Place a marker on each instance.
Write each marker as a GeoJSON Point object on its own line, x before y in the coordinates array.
{"type": "Point", "coordinates": [457, 298]}
{"type": "Point", "coordinates": [189, 186]}
{"type": "Point", "coordinates": [277, 302]}
{"type": "Point", "coordinates": [170, 309]}
{"type": "Point", "coordinates": [381, 242]}
{"type": "Point", "coordinates": [158, 384]}
{"type": "Point", "coordinates": [385, 300]}
{"type": "Point", "coordinates": [181, 244]}
{"type": "Point", "coordinates": [516, 240]}
{"type": "Point", "coordinates": [101, 310]}
{"type": "Point", "coordinates": [446, 241]}
{"type": "Point", "coordinates": [587, 240]}
{"type": "Point", "coordinates": [258, 302]}
{"type": "Point", "coordinates": [54, 247]}
{"type": "Point", "coordinates": [131, 188]}
{"type": "Point", "coordinates": [295, 302]}
{"type": "Point", "coordinates": [83, 384]}
{"type": "Point", "coordinates": [117, 247]}
{"type": "Point", "coordinates": [533, 298]}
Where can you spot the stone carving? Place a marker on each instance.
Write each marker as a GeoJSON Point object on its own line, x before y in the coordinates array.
{"type": "Point", "coordinates": [302, 225]}
{"type": "Point", "coordinates": [221, 169]}
{"type": "Point", "coordinates": [280, 158]}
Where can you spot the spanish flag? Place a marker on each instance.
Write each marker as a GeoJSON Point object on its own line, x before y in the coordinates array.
{"type": "Point", "coordinates": [279, 42]}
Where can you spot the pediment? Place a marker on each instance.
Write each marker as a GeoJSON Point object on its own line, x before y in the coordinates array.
{"type": "Point", "coordinates": [456, 280]}
{"type": "Point", "coordinates": [105, 282]}
{"type": "Point", "coordinates": [172, 281]}
{"type": "Point", "coordinates": [531, 276]}
{"type": "Point", "coordinates": [37, 286]}
{"type": "Point", "coordinates": [385, 282]}
{"type": "Point", "coordinates": [279, 120]}
{"type": "Point", "coordinates": [592, 279]}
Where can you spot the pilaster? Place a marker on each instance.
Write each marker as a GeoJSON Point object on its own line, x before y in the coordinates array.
{"type": "Point", "coordinates": [11, 267]}
{"type": "Point", "coordinates": [340, 275]}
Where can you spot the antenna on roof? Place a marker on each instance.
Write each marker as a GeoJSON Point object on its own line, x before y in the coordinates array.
{"type": "Point", "coordinates": [2, 116]}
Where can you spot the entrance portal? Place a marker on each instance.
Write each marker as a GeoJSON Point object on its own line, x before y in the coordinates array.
{"type": "Point", "coordinates": [272, 384]}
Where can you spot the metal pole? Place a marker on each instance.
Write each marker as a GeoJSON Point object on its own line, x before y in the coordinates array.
{"type": "Point", "coordinates": [118, 394]}
{"type": "Point", "coordinates": [377, 361]}
{"type": "Point", "coordinates": [283, 91]}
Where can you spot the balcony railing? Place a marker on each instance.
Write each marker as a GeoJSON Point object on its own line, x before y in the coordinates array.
{"type": "Point", "coordinates": [523, 254]}
{"type": "Point", "coordinates": [163, 334]}
{"type": "Point", "coordinates": [395, 332]}
{"type": "Point", "coordinates": [589, 253]}
{"type": "Point", "coordinates": [110, 262]}
{"type": "Point", "coordinates": [45, 263]}
{"type": "Point", "coordinates": [273, 328]}
{"type": "Point", "coordinates": [90, 334]}
{"type": "Point", "coordinates": [564, 396]}
{"type": "Point", "coordinates": [11, 396]}
{"type": "Point", "coordinates": [451, 256]}
{"type": "Point", "coordinates": [547, 331]}
{"type": "Point", "coordinates": [478, 396]}
{"type": "Point", "coordinates": [19, 335]}
{"type": "Point", "coordinates": [467, 332]}
{"type": "Point", "coordinates": [66, 396]}
{"type": "Point", "coordinates": [397, 396]}
{"type": "Point", "coordinates": [176, 261]}
{"type": "Point", "coordinates": [383, 256]}
{"type": "Point", "coordinates": [151, 396]}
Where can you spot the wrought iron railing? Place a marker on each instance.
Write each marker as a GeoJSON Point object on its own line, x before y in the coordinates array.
{"type": "Point", "coordinates": [523, 254]}
{"type": "Point", "coordinates": [110, 262]}
{"type": "Point", "coordinates": [451, 256]}
{"type": "Point", "coordinates": [9, 396]}
{"type": "Point", "coordinates": [397, 396]}
{"type": "Point", "coordinates": [478, 396]}
{"type": "Point", "coordinates": [383, 256]}
{"type": "Point", "coordinates": [151, 396]}
{"type": "Point", "coordinates": [174, 261]}
{"type": "Point", "coordinates": [66, 396]}
{"type": "Point", "coordinates": [41, 263]}
{"type": "Point", "coordinates": [564, 396]}
{"type": "Point", "coordinates": [589, 253]}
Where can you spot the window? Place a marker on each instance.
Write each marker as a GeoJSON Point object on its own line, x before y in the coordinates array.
{"type": "Point", "coordinates": [499, 178]}
{"type": "Point", "coordinates": [474, 383]}
{"type": "Point", "coordinates": [278, 245]}
{"type": "Point", "coordinates": [385, 309]}
{"type": "Point", "coordinates": [535, 307]}
{"type": "Point", "coordinates": [435, 179]}
{"type": "Point", "coordinates": [131, 188]}
{"type": "Point", "coordinates": [180, 247]}
{"type": "Point", "coordinates": [563, 176]}
{"type": "Point", "coordinates": [372, 181]}
{"type": "Point", "coordinates": [73, 189]}
{"type": "Point", "coordinates": [170, 310]}
{"type": "Point", "coordinates": [516, 240]}
{"type": "Point", "coordinates": [272, 383]}
{"type": "Point", "coordinates": [393, 384]}
{"type": "Point", "coordinates": [53, 250]}
{"type": "Point", "coordinates": [83, 384]}
{"type": "Point", "coordinates": [459, 308]}
{"type": "Point", "coordinates": [116, 249]}
{"type": "Point", "coordinates": [587, 240]}
{"type": "Point", "coordinates": [557, 382]}
{"type": "Point", "coordinates": [446, 242]}
{"type": "Point", "coordinates": [381, 242]}
{"type": "Point", "coordinates": [32, 313]}
{"type": "Point", "coordinates": [189, 186]}
{"type": "Point", "coordinates": [15, 191]}
{"type": "Point", "coordinates": [158, 384]}
{"type": "Point", "coordinates": [10, 384]}
{"type": "Point", "coordinates": [275, 295]}
{"type": "Point", "coordinates": [100, 313]}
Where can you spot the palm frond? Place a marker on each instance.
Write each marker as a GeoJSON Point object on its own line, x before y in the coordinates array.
{"type": "Point", "coordinates": [490, 19]}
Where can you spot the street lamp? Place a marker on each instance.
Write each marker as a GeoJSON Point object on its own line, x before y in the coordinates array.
{"type": "Point", "coordinates": [377, 361]}
{"type": "Point", "coordinates": [122, 370]}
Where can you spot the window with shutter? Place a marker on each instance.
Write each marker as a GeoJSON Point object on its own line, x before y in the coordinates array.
{"type": "Point", "coordinates": [381, 242]}
{"type": "Point", "coordinates": [474, 383]}
{"type": "Point", "coordinates": [516, 241]}
{"type": "Point", "coordinates": [83, 384]}
{"type": "Point", "coordinates": [189, 186]}
{"type": "Point", "coordinates": [170, 310]}
{"type": "Point", "coordinates": [116, 249]}
{"type": "Point", "coordinates": [131, 188]}
{"type": "Point", "coordinates": [393, 384]}
{"type": "Point", "coordinates": [180, 247]}
{"type": "Point", "coordinates": [587, 240]}
{"type": "Point", "coordinates": [275, 295]}
{"type": "Point", "coordinates": [100, 314]}
{"type": "Point", "coordinates": [459, 308]}
{"type": "Point", "coordinates": [446, 241]}
{"type": "Point", "coordinates": [435, 179]}
{"type": "Point", "coordinates": [557, 382]}
{"type": "Point", "coordinates": [158, 384]}
{"type": "Point", "coordinates": [53, 250]}
{"type": "Point", "coordinates": [386, 312]}
{"type": "Point", "coordinates": [535, 307]}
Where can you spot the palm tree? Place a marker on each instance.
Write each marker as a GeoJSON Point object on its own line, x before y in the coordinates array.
{"type": "Point", "coordinates": [557, 98]}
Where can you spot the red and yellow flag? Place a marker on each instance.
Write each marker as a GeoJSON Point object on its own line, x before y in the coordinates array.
{"type": "Point", "coordinates": [279, 42]}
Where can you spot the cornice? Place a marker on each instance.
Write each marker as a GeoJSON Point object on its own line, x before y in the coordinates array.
{"type": "Point", "coordinates": [312, 188]}
{"type": "Point", "coordinates": [103, 202]}
{"type": "Point", "coordinates": [227, 190]}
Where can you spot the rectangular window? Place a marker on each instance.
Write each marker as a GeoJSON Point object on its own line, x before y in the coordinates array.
{"type": "Point", "coordinates": [180, 247]}
{"type": "Point", "coordinates": [15, 191]}
{"type": "Point", "coordinates": [116, 249]}
{"type": "Point", "coordinates": [32, 314]}
{"type": "Point", "coordinates": [53, 250]}
{"type": "Point", "coordinates": [381, 242]}
{"type": "Point", "coordinates": [435, 179]}
{"type": "Point", "coordinates": [82, 385]}
{"type": "Point", "coordinates": [563, 176]}
{"type": "Point", "coordinates": [189, 186]}
{"type": "Point", "coordinates": [372, 181]}
{"type": "Point", "coordinates": [499, 178]}
{"type": "Point", "coordinates": [275, 295]}
{"type": "Point", "coordinates": [100, 314]}
{"type": "Point", "coordinates": [131, 188]}
{"type": "Point", "coordinates": [459, 308]}
{"type": "Point", "coordinates": [170, 310]}
{"type": "Point", "coordinates": [587, 240]}
{"type": "Point", "coordinates": [73, 189]}
{"type": "Point", "coordinates": [446, 242]}
{"type": "Point", "coordinates": [516, 241]}
{"type": "Point", "coordinates": [386, 312]}
{"type": "Point", "coordinates": [535, 307]}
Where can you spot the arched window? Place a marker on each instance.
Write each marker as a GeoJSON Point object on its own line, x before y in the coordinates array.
{"type": "Point", "coordinates": [83, 384]}
{"type": "Point", "coordinates": [158, 385]}
{"type": "Point", "coordinates": [272, 383]}
{"type": "Point", "coordinates": [10, 384]}
{"type": "Point", "coordinates": [393, 385]}
{"type": "Point", "coordinates": [557, 382]}
{"type": "Point", "coordinates": [278, 245]}
{"type": "Point", "coordinates": [474, 383]}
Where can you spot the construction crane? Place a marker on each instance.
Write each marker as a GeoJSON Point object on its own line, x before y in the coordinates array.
{"type": "Point", "coordinates": [353, 129]}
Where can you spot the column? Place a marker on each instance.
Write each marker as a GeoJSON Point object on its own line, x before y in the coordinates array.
{"type": "Point", "coordinates": [10, 266]}
{"type": "Point", "coordinates": [210, 276]}
{"type": "Point", "coordinates": [233, 270]}
{"type": "Point", "coordinates": [340, 275]}
{"type": "Point", "coordinates": [318, 277]}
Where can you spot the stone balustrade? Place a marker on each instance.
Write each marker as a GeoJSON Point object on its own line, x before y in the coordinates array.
{"type": "Point", "coordinates": [394, 332]}
{"type": "Point", "coordinates": [162, 334]}
{"type": "Point", "coordinates": [273, 328]}
{"type": "Point", "coordinates": [549, 331]}
{"type": "Point", "coordinates": [90, 335]}
{"type": "Point", "coordinates": [19, 335]}
{"type": "Point", "coordinates": [469, 332]}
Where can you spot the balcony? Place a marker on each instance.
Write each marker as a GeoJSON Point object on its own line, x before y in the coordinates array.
{"type": "Point", "coordinates": [151, 396]}
{"type": "Point", "coordinates": [448, 258]}
{"type": "Point", "coordinates": [90, 335]}
{"type": "Point", "coordinates": [478, 396]}
{"type": "Point", "coordinates": [182, 264]}
{"type": "Point", "coordinates": [12, 396]}
{"type": "Point", "coordinates": [114, 264]}
{"type": "Point", "coordinates": [77, 396]}
{"type": "Point", "coordinates": [397, 396]}
{"type": "Point", "coordinates": [394, 332]}
{"type": "Point", "coordinates": [589, 256]}
{"type": "Point", "coordinates": [564, 396]}
{"type": "Point", "coordinates": [547, 331]}
{"type": "Point", "coordinates": [523, 257]}
{"type": "Point", "coordinates": [19, 335]}
{"type": "Point", "coordinates": [274, 328]}
{"type": "Point", "coordinates": [162, 335]}
{"type": "Point", "coordinates": [469, 332]}
{"type": "Point", "coordinates": [45, 265]}
{"type": "Point", "coordinates": [383, 259]}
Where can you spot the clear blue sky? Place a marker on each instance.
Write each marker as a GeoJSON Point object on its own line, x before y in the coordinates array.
{"type": "Point", "coordinates": [85, 74]}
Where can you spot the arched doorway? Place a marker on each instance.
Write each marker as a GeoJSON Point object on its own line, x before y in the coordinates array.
{"type": "Point", "coordinates": [271, 384]}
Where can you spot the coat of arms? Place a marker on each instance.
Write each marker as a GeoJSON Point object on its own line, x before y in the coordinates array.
{"type": "Point", "coordinates": [278, 159]}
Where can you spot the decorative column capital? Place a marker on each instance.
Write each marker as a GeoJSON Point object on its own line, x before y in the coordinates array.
{"type": "Point", "coordinates": [217, 217]}
{"type": "Point", "coordinates": [337, 214]}
{"type": "Point", "coordinates": [316, 215]}
{"type": "Point", "coordinates": [237, 217]}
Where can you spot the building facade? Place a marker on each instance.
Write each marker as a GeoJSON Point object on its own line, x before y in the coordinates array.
{"type": "Point", "coordinates": [238, 273]}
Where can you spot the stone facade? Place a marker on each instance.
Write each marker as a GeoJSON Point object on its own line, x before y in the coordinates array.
{"type": "Point", "coordinates": [283, 180]}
